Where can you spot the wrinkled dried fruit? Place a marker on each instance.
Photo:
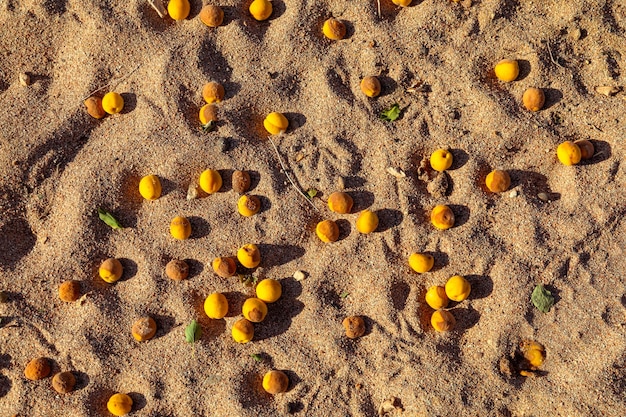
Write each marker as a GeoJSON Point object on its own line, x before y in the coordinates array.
{"type": "Point", "coordinates": [327, 231]}
{"type": "Point", "coordinates": [213, 92]}
{"type": "Point", "coordinates": [498, 181]}
{"type": "Point", "coordinates": [211, 15]}
{"type": "Point", "coordinates": [144, 329]}
{"type": "Point", "coordinates": [370, 86]}
{"type": "Point", "coordinates": [340, 202]}
{"type": "Point", "coordinates": [275, 382]}
{"type": "Point", "coordinates": [334, 29]}
{"type": "Point", "coordinates": [224, 266]}
{"type": "Point", "coordinates": [63, 382]}
{"type": "Point", "coordinates": [533, 99]}
{"type": "Point", "coordinates": [69, 291]}
{"type": "Point", "coordinates": [241, 181]}
{"type": "Point", "coordinates": [111, 270]}
{"type": "Point", "coordinates": [586, 148]}
{"type": "Point", "coordinates": [38, 368]}
{"type": "Point", "coordinates": [354, 326]}
{"type": "Point", "coordinates": [94, 107]}
{"type": "Point", "coordinates": [177, 269]}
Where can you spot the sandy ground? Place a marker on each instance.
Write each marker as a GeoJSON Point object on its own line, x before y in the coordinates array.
{"type": "Point", "coordinates": [58, 166]}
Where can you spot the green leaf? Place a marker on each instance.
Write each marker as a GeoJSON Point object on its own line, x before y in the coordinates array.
{"type": "Point", "coordinates": [108, 218]}
{"type": "Point", "coordinates": [193, 332]}
{"type": "Point", "coordinates": [344, 294]}
{"type": "Point", "coordinates": [256, 357]}
{"type": "Point", "coordinates": [311, 192]}
{"type": "Point", "coordinates": [391, 114]}
{"type": "Point", "coordinates": [248, 280]}
{"type": "Point", "coordinates": [542, 299]}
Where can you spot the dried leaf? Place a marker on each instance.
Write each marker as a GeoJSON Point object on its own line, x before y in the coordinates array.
{"type": "Point", "coordinates": [193, 332]}
{"type": "Point", "coordinates": [209, 126]}
{"type": "Point", "coordinates": [391, 114]}
{"type": "Point", "coordinates": [248, 280]}
{"type": "Point", "coordinates": [542, 299]}
{"type": "Point", "coordinates": [108, 218]}
{"type": "Point", "coordinates": [396, 172]}
{"type": "Point", "coordinates": [608, 90]}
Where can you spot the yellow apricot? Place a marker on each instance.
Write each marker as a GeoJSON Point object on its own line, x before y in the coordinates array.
{"type": "Point", "coordinates": [210, 181]}
{"type": "Point", "coordinates": [586, 148]}
{"type": "Point", "coordinates": [367, 222]}
{"type": "Point", "coordinates": [442, 321]}
{"type": "Point", "coordinates": [213, 92]}
{"type": "Point", "coordinates": [534, 353]}
{"type": "Point", "coordinates": [568, 153]}
{"type": "Point", "coordinates": [180, 228]}
{"type": "Point", "coordinates": [110, 270]}
{"type": "Point", "coordinates": [275, 382]}
{"type": "Point", "coordinates": [498, 181]}
{"type": "Point", "coordinates": [441, 159]}
{"type": "Point", "coordinates": [269, 290]}
{"type": "Point", "coordinates": [436, 297]}
{"type": "Point", "coordinates": [242, 331]}
{"type": "Point", "coordinates": [112, 102]}
{"type": "Point", "coordinates": [224, 267]}
{"type": "Point", "coordinates": [211, 15]}
{"type": "Point", "coordinates": [340, 202]}
{"type": "Point", "coordinates": [248, 205]}
{"type": "Point", "coordinates": [38, 368]}
{"type": "Point", "coordinates": [150, 187]}
{"type": "Point", "coordinates": [249, 255]}
{"type": "Point", "coordinates": [327, 231]}
{"type": "Point", "coordinates": [533, 99]}
{"type": "Point", "coordinates": [370, 86]}
{"type": "Point", "coordinates": [119, 404]}
{"type": "Point", "coordinates": [261, 9]}
{"type": "Point", "coordinates": [208, 113]}
{"type": "Point", "coordinates": [254, 310]}
{"type": "Point", "coordinates": [507, 70]}
{"type": "Point", "coordinates": [275, 123]}
{"type": "Point", "coordinates": [334, 29]}
{"type": "Point", "coordinates": [94, 107]}
{"type": "Point", "coordinates": [402, 3]}
{"type": "Point", "coordinates": [458, 288]}
{"type": "Point", "coordinates": [216, 306]}
{"type": "Point", "coordinates": [442, 217]}
{"type": "Point", "coordinates": [178, 9]}
{"type": "Point", "coordinates": [144, 329]}
{"type": "Point", "coordinates": [421, 262]}
{"type": "Point", "coordinates": [69, 291]}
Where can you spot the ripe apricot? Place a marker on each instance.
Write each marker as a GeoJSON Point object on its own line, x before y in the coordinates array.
{"type": "Point", "coordinates": [150, 187]}
{"type": "Point", "coordinates": [216, 306]}
{"type": "Point", "coordinates": [442, 321]}
{"type": "Point", "coordinates": [568, 153]}
{"type": "Point", "coordinates": [498, 181]}
{"type": "Point", "coordinates": [533, 99]}
{"type": "Point", "coordinates": [94, 107]}
{"type": "Point", "coordinates": [370, 86]}
{"type": "Point", "coordinates": [224, 267]}
{"type": "Point", "coordinates": [269, 290]}
{"type": "Point", "coordinates": [327, 231]}
{"type": "Point", "coordinates": [211, 15]}
{"type": "Point", "coordinates": [144, 329]}
{"type": "Point", "coordinates": [436, 297]}
{"type": "Point", "coordinates": [249, 255]}
{"type": "Point", "coordinates": [69, 291]}
{"type": "Point", "coordinates": [340, 202]}
{"type": "Point", "coordinates": [178, 9]}
{"type": "Point", "coordinates": [248, 205]}
{"type": "Point", "coordinates": [208, 113]}
{"type": "Point", "coordinates": [111, 270]}
{"type": "Point", "coordinates": [334, 29]}
{"type": "Point", "coordinates": [275, 123]}
{"type": "Point", "coordinates": [441, 159]}
{"type": "Point", "coordinates": [367, 222]}
{"type": "Point", "coordinates": [275, 382]}
{"type": "Point", "coordinates": [210, 181]}
{"type": "Point", "coordinates": [180, 228]}
{"type": "Point", "coordinates": [507, 70]}
{"type": "Point", "coordinates": [402, 3]}
{"type": "Point", "coordinates": [421, 262]}
{"type": "Point", "coordinates": [261, 9]}
{"type": "Point", "coordinates": [442, 217]}
{"type": "Point", "coordinates": [119, 404]}
{"type": "Point", "coordinates": [112, 102]}
{"type": "Point", "coordinates": [242, 331]}
{"type": "Point", "coordinates": [213, 92]}
{"type": "Point", "coordinates": [458, 288]}
{"type": "Point", "coordinates": [254, 309]}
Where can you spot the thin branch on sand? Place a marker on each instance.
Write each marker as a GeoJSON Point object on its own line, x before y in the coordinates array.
{"type": "Point", "coordinates": [379, 14]}
{"type": "Point", "coordinates": [552, 57]}
{"type": "Point", "coordinates": [280, 160]}
{"type": "Point", "coordinates": [112, 82]}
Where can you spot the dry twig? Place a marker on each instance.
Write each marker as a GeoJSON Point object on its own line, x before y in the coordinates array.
{"type": "Point", "coordinates": [111, 83]}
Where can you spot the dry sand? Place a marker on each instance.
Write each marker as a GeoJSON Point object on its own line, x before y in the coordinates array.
{"type": "Point", "coordinates": [58, 165]}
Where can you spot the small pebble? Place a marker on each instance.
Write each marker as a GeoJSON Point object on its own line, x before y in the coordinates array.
{"type": "Point", "coordinates": [543, 196]}
{"type": "Point", "coordinates": [576, 34]}
{"type": "Point", "coordinates": [513, 194]}
{"type": "Point", "coordinates": [24, 79]}
{"type": "Point", "coordinates": [299, 275]}
{"type": "Point", "coordinates": [192, 191]}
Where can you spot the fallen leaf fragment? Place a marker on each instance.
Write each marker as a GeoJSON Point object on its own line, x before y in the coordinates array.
{"type": "Point", "coordinates": [299, 275]}
{"type": "Point", "coordinates": [608, 90]}
{"type": "Point", "coordinates": [542, 298]}
{"type": "Point", "coordinates": [396, 172]}
{"type": "Point", "coordinates": [159, 7]}
{"type": "Point", "coordinates": [192, 191]}
{"type": "Point", "coordinates": [390, 407]}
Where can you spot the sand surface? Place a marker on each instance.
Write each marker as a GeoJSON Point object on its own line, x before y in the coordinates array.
{"type": "Point", "coordinates": [58, 166]}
